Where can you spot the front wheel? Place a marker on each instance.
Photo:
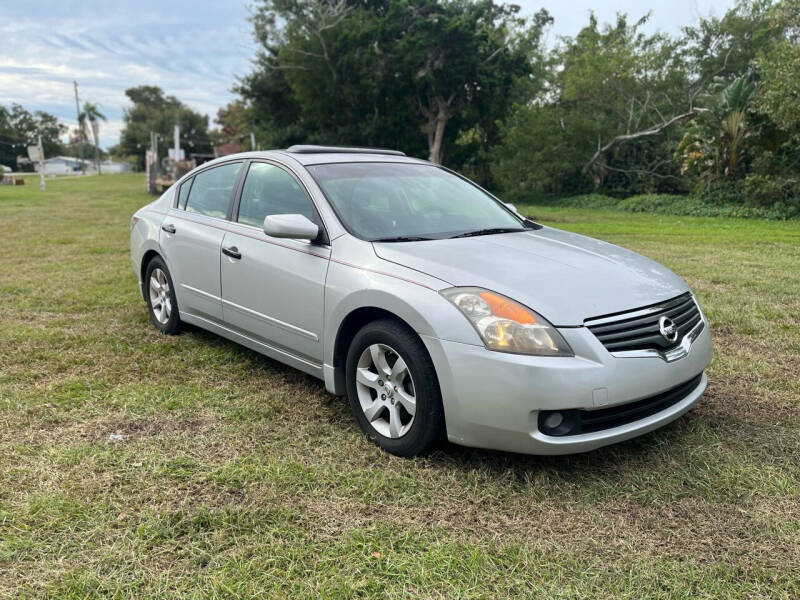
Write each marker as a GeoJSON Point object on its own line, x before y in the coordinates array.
{"type": "Point", "coordinates": [393, 389]}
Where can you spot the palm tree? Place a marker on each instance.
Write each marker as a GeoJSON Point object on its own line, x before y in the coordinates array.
{"type": "Point", "coordinates": [91, 113]}
{"type": "Point", "coordinates": [716, 141]}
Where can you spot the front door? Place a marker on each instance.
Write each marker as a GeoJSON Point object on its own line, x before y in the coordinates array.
{"type": "Point", "coordinates": [274, 289]}
{"type": "Point", "coordinates": [191, 239]}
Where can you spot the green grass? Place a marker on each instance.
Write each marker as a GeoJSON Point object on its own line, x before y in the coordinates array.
{"type": "Point", "coordinates": [237, 476]}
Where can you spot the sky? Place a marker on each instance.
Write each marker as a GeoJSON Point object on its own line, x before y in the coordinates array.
{"type": "Point", "coordinates": [195, 50]}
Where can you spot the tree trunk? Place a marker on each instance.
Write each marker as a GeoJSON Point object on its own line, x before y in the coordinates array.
{"type": "Point", "coordinates": [96, 148]}
{"type": "Point", "coordinates": [438, 116]}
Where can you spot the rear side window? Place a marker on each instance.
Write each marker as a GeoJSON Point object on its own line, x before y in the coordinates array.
{"type": "Point", "coordinates": [212, 190]}
{"type": "Point", "coordinates": [269, 190]}
{"type": "Point", "coordinates": [183, 193]}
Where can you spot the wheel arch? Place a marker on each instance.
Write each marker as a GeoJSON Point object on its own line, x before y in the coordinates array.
{"type": "Point", "coordinates": [422, 310]}
{"type": "Point", "coordinates": [348, 327]}
{"type": "Point", "coordinates": [149, 255]}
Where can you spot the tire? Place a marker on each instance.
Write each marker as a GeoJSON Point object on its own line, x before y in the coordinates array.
{"type": "Point", "coordinates": [164, 315]}
{"type": "Point", "coordinates": [380, 390]}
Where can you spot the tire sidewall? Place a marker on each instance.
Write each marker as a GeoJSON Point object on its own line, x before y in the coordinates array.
{"type": "Point", "coordinates": [428, 417]}
{"type": "Point", "coordinates": [172, 325]}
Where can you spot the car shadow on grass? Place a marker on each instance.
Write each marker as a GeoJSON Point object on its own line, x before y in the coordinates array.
{"type": "Point", "coordinates": [668, 442]}
{"type": "Point", "coordinates": [717, 431]}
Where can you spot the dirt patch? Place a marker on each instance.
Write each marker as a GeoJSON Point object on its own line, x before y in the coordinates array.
{"type": "Point", "coordinates": [100, 430]}
{"type": "Point", "coordinates": [142, 428]}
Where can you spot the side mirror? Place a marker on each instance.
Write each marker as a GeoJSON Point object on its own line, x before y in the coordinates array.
{"type": "Point", "coordinates": [296, 227]}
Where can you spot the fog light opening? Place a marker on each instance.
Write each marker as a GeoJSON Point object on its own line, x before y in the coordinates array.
{"type": "Point", "coordinates": [560, 422]}
{"type": "Point", "coordinates": [553, 420]}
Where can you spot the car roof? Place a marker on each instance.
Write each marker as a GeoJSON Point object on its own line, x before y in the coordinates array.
{"type": "Point", "coordinates": [327, 155]}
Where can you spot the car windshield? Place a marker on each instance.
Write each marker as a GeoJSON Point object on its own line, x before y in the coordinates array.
{"type": "Point", "coordinates": [410, 202]}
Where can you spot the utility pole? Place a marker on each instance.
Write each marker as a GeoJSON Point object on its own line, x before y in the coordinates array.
{"type": "Point", "coordinates": [80, 129]}
{"type": "Point", "coordinates": [177, 144]}
{"type": "Point", "coordinates": [41, 164]}
{"type": "Point", "coordinates": [252, 141]}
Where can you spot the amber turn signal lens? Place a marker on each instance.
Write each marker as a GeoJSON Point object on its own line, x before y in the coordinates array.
{"type": "Point", "coordinates": [508, 309]}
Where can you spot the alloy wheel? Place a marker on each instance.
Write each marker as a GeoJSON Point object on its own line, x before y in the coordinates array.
{"type": "Point", "coordinates": [386, 390]}
{"type": "Point", "coordinates": [160, 298]}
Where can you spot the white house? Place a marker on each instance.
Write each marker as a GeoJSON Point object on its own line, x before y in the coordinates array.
{"type": "Point", "coordinates": [63, 165]}
{"type": "Point", "coordinates": [67, 165]}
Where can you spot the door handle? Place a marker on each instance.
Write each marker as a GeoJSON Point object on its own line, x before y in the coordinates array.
{"type": "Point", "coordinates": [232, 251]}
{"type": "Point", "coordinates": [169, 228]}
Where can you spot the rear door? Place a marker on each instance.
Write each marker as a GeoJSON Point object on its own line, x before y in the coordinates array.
{"type": "Point", "coordinates": [274, 289]}
{"type": "Point", "coordinates": [191, 238]}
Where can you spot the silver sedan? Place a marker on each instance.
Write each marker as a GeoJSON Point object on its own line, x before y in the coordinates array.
{"type": "Point", "coordinates": [434, 307]}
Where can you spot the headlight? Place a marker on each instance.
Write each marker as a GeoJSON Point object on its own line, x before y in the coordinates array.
{"type": "Point", "coordinates": [505, 325]}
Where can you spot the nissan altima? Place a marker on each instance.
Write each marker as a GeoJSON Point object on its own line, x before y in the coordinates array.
{"type": "Point", "coordinates": [437, 309]}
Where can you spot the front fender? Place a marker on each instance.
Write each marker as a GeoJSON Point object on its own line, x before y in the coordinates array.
{"type": "Point", "coordinates": [350, 288]}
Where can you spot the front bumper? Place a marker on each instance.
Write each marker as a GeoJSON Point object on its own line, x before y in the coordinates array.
{"type": "Point", "coordinates": [492, 399]}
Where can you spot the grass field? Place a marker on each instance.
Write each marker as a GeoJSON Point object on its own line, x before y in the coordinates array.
{"type": "Point", "coordinates": [236, 476]}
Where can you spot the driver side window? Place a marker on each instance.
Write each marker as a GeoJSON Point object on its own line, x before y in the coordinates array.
{"type": "Point", "coordinates": [269, 190]}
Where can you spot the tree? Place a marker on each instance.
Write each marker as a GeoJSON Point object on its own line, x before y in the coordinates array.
{"type": "Point", "coordinates": [412, 74]}
{"type": "Point", "coordinates": [91, 114]}
{"type": "Point", "coordinates": [715, 143]}
{"type": "Point", "coordinates": [613, 98]}
{"type": "Point", "coordinates": [633, 85]}
{"type": "Point", "coordinates": [152, 111]}
{"type": "Point", "coordinates": [28, 127]}
{"type": "Point", "coordinates": [20, 128]}
{"type": "Point", "coordinates": [540, 150]}
{"type": "Point", "coordinates": [8, 139]}
{"type": "Point", "coordinates": [234, 124]}
{"type": "Point", "coordinates": [459, 55]}
{"type": "Point", "coordinates": [726, 47]}
{"type": "Point", "coordinates": [778, 68]}
{"type": "Point", "coordinates": [779, 72]}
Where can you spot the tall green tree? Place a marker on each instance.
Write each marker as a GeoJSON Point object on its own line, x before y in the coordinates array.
{"type": "Point", "coordinates": [778, 68]}
{"type": "Point", "coordinates": [614, 97]}
{"type": "Point", "coordinates": [20, 128]}
{"type": "Point", "coordinates": [152, 111]}
{"type": "Point", "coordinates": [8, 139]}
{"type": "Point", "coordinates": [413, 74]}
{"type": "Point", "coordinates": [725, 47]}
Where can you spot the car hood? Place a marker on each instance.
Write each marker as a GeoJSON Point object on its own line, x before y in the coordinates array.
{"type": "Point", "coordinates": [564, 276]}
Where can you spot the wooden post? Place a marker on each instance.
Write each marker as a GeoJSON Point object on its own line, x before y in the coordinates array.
{"type": "Point", "coordinates": [149, 171]}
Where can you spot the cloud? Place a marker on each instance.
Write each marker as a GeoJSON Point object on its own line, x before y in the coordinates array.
{"type": "Point", "coordinates": [192, 51]}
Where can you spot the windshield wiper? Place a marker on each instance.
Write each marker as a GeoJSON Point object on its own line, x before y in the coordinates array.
{"type": "Point", "coordinates": [489, 231]}
{"type": "Point", "coordinates": [404, 238]}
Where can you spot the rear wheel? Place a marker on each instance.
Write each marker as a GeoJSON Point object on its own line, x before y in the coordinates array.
{"type": "Point", "coordinates": [393, 389]}
{"type": "Point", "coordinates": [160, 295]}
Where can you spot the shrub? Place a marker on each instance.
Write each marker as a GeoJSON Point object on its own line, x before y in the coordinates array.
{"type": "Point", "coordinates": [671, 204]}
{"type": "Point", "coordinates": [760, 190]}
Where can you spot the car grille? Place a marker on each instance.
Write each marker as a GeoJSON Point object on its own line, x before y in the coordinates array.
{"type": "Point", "coordinates": [590, 421]}
{"type": "Point", "coordinates": [639, 329]}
